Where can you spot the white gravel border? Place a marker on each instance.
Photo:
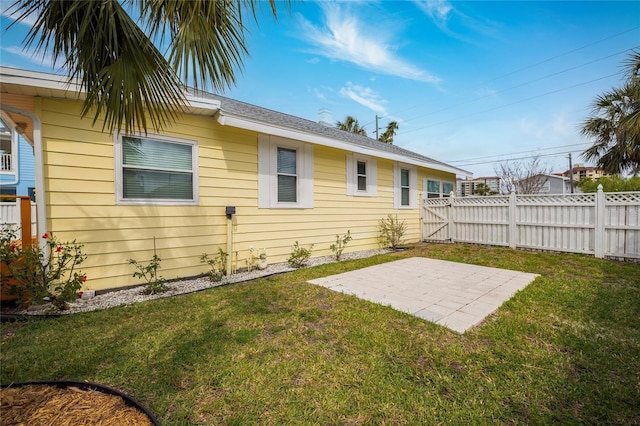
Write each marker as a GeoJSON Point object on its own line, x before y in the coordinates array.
{"type": "Point", "coordinates": [134, 295]}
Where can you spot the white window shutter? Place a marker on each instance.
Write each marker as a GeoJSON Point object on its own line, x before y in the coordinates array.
{"type": "Point", "coordinates": [372, 178]}
{"type": "Point", "coordinates": [264, 177]}
{"type": "Point", "coordinates": [306, 177]}
{"type": "Point", "coordinates": [350, 175]}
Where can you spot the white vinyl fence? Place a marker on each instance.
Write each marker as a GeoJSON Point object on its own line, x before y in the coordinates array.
{"type": "Point", "coordinates": [10, 213]}
{"type": "Point", "coordinates": [601, 224]}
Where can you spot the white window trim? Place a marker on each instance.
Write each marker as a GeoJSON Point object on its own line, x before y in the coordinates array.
{"type": "Point", "coordinates": [150, 201]}
{"type": "Point", "coordinates": [268, 173]}
{"type": "Point", "coordinates": [352, 175]}
{"type": "Point", "coordinates": [413, 186]}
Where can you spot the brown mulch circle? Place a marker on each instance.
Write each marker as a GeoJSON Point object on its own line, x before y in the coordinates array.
{"type": "Point", "coordinates": [49, 405]}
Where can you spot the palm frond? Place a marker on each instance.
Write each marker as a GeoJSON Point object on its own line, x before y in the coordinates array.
{"type": "Point", "coordinates": [125, 77]}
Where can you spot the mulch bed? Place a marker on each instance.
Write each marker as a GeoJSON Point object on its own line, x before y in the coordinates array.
{"type": "Point", "coordinates": [51, 405]}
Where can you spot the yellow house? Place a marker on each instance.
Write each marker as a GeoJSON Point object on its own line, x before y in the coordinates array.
{"type": "Point", "coordinates": [289, 180]}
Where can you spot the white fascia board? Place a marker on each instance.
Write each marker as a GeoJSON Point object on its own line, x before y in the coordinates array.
{"type": "Point", "coordinates": [53, 82]}
{"type": "Point", "coordinates": [260, 127]}
{"type": "Point", "coordinates": [199, 103]}
{"type": "Point", "coordinates": [62, 87]}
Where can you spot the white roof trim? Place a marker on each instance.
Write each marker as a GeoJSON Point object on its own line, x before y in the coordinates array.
{"type": "Point", "coordinates": [226, 119]}
{"type": "Point", "coordinates": [61, 87]}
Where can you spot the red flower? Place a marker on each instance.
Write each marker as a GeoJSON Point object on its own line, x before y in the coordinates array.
{"type": "Point", "coordinates": [45, 235]}
{"type": "Point", "coordinates": [84, 278]}
{"type": "Point", "coordinates": [13, 247]}
{"type": "Point", "coordinates": [59, 249]}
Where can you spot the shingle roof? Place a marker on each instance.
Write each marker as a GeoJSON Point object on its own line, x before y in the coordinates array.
{"type": "Point", "coordinates": [276, 118]}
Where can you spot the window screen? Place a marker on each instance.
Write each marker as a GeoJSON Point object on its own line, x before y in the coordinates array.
{"type": "Point", "coordinates": [362, 175]}
{"type": "Point", "coordinates": [287, 176]}
{"type": "Point", "coordinates": [404, 187]}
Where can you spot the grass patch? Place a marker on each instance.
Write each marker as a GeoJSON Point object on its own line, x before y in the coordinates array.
{"type": "Point", "coordinates": [278, 350]}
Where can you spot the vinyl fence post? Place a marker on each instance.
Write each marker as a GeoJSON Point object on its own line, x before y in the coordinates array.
{"type": "Point", "coordinates": [452, 229]}
{"type": "Point", "coordinates": [421, 217]}
{"type": "Point", "coordinates": [512, 220]}
{"type": "Point", "coordinates": [599, 224]}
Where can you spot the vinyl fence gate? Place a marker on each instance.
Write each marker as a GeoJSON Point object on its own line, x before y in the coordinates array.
{"type": "Point", "coordinates": [601, 224]}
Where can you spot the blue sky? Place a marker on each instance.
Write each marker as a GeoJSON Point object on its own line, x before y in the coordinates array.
{"type": "Point", "coordinates": [469, 83]}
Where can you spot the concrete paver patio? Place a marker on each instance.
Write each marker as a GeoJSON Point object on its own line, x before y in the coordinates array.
{"type": "Point", "coordinates": [455, 295]}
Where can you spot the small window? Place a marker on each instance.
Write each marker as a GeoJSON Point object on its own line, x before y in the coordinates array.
{"type": "Point", "coordinates": [287, 176]}
{"type": "Point", "coordinates": [285, 173]}
{"type": "Point", "coordinates": [156, 170]}
{"type": "Point", "coordinates": [362, 175]}
{"type": "Point", "coordinates": [433, 188]}
{"type": "Point", "coordinates": [405, 186]}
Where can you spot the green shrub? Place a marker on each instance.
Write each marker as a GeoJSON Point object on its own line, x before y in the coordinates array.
{"type": "Point", "coordinates": [149, 273]}
{"type": "Point", "coordinates": [217, 264]}
{"type": "Point", "coordinates": [299, 256]}
{"type": "Point", "coordinates": [42, 274]}
{"type": "Point", "coordinates": [341, 242]}
{"type": "Point", "coordinates": [391, 231]}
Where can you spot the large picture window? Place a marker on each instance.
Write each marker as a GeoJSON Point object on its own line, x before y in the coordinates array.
{"type": "Point", "coordinates": [156, 170]}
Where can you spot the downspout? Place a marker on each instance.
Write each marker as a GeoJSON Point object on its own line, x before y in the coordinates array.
{"type": "Point", "coordinates": [41, 210]}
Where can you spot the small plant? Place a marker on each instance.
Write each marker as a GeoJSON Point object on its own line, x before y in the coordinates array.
{"type": "Point", "coordinates": [299, 255]}
{"type": "Point", "coordinates": [341, 242]}
{"type": "Point", "coordinates": [149, 273]}
{"type": "Point", "coordinates": [218, 264]}
{"type": "Point", "coordinates": [391, 231]}
{"type": "Point", "coordinates": [40, 274]}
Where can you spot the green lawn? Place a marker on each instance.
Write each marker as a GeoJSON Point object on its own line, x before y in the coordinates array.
{"type": "Point", "coordinates": [279, 351]}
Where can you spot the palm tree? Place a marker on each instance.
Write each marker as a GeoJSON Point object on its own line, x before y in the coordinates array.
{"type": "Point", "coordinates": [124, 74]}
{"type": "Point", "coordinates": [615, 125]}
{"type": "Point", "coordinates": [351, 124]}
{"type": "Point", "coordinates": [389, 133]}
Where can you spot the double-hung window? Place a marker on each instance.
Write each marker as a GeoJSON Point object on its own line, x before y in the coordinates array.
{"type": "Point", "coordinates": [156, 170]}
{"type": "Point", "coordinates": [362, 175]}
{"type": "Point", "coordinates": [285, 173]}
{"type": "Point", "coordinates": [405, 186]}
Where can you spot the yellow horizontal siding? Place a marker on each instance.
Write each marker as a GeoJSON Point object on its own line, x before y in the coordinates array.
{"type": "Point", "coordinates": [81, 201]}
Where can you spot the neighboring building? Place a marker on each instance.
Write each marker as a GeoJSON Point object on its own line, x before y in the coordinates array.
{"type": "Point", "coordinates": [17, 165]}
{"type": "Point", "coordinates": [289, 180]}
{"type": "Point", "coordinates": [547, 184]}
{"type": "Point", "coordinates": [467, 187]}
{"type": "Point", "coordinates": [580, 171]}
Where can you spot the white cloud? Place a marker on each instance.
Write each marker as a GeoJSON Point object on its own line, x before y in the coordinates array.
{"type": "Point", "coordinates": [7, 11]}
{"type": "Point", "coordinates": [343, 38]}
{"type": "Point", "coordinates": [438, 10]}
{"type": "Point", "coordinates": [365, 96]}
{"type": "Point", "coordinates": [484, 92]}
{"type": "Point", "coordinates": [45, 60]}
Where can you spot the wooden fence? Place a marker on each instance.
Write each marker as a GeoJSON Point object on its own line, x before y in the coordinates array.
{"type": "Point", "coordinates": [601, 224]}
{"type": "Point", "coordinates": [10, 213]}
